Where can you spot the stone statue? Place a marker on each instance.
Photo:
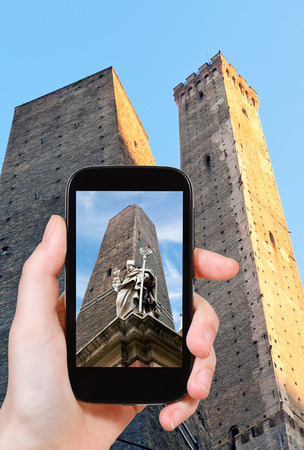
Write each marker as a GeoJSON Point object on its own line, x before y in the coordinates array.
{"type": "Point", "coordinates": [129, 291]}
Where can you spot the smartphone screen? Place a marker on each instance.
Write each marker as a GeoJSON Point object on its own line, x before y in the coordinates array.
{"type": "Point", "coordinates": [129, 283]}
{"type": "Point", "coordinates": [129, 276]}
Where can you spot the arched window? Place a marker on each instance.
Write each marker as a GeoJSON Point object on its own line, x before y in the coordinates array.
{"type": "Point", "coordinates": [234, 80]}
{"type": "Point", "coordinates": [232, 433]}
{"type": "Point", "coordinates": [245, 112]}
{"type": "Point", "coordinates": [271, 236]}
{"type": "Point", "coordinates": [227, 73]}
{"type": "Point", "coordinates": [292, 423]}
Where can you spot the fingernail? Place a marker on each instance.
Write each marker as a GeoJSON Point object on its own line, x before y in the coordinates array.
{"type": "Point", "coordinates": [204, 378]}
{"type": "Point", "coordinates": [49, 228]}
{"type": "Point", "coordinates": [177, 418]}
{"type": "Point", "coordinates": [208, 340]}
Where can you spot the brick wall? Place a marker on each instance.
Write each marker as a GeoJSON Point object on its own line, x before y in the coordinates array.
{"type": "Point", "coordinates": [280, 285]}
{"type": "Point", "coordinates": [126, 233]}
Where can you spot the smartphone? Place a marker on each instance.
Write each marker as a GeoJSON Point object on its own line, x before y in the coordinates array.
{"type": "Point", "coordinates": [129, 283]}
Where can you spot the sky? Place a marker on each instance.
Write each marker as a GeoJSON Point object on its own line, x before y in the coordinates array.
{"type": "Point", "coordinates": [94, 209]}
{"type": "Point", "coordinates": [154, 46]}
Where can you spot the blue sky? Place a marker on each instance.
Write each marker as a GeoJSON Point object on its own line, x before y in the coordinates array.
{"type": "Point", "coordinates": [95, 209]}
{"type": "Point", "coordinates": [154, 46]}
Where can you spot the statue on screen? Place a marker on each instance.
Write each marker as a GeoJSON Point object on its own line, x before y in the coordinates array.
{"type": "Point", "coordinates": [138, 291]}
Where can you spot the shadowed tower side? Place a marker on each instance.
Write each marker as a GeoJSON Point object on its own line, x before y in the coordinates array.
{"type": "Point", "coordinates": [126, 233]}
{"type": "Point", "coordinates": [257, 396]}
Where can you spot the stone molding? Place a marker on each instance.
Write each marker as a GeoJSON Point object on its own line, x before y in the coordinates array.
{"type": "Point", "coordinates": [133, 339]}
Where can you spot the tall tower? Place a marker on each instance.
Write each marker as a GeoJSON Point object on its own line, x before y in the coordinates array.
{"type": "Point", "coordinates": [90, 122]}
{"type": "Point", "coordinates": [257, 398]}
{"type": "Point", "coordinates": [126, 233]}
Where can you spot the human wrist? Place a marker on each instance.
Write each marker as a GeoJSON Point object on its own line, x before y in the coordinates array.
{"type": "Point", "coordinates": [8, 436]}
{"type": "Point", "coordinates": [14, 434]}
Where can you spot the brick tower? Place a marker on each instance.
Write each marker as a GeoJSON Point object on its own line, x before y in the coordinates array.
{"type": "Point", "coordinates": [257, 398]}
{"type": "Point", "coordinates": [90, 122]}
{"type": "Point", "coordinates": [126, 233]}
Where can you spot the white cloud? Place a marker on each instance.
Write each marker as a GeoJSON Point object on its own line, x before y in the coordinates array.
{"type": "Point", "coordinates": [177, 319]}
{"type": "Point", "coordinates": [174, 285]}
{"type": "Point", "coordinates": [86, 200]}
{"type": "Point", "coordinates": [91, 218]}
{"type": "Point", "coordinates": [82, 280]}
{"type": "Point", "coordinates": [93, 228]}
{"type": "Point", "coordinates": [170, 232]}
{"type": "Point", "coordinates": [173, 295]}
{"type": "Point", "coordinates": [172, 274]}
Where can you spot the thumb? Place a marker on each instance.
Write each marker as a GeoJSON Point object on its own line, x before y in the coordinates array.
{"type": "Point", "coordinates": [38, 287]}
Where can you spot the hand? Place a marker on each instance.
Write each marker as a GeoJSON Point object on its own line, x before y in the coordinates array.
{"type": "Point", "coordinates": [40, 410]}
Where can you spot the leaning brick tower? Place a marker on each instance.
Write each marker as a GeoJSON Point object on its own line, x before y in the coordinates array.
{"type": "Point", "coordinates": [257, 398]}
{"type": "Point", "coordinates": [90, 122]}
{"type": "Point", "coordinates": [87, 123]}
{"type": "Point", "coordinates": [126, 233]}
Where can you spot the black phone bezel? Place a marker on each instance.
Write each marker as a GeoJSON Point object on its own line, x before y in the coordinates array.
{"type": "Point", "coordinates": [128, 385]}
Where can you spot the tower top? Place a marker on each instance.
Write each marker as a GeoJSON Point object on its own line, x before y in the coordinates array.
{"type": "Point", "coordinates": [132, 210]}
{"type": "Point", "coordinates": [205, 74]}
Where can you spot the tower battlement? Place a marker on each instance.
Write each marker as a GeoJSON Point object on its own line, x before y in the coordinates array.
{"type": "Point", "coordinates": [268, 433]}
{"type": "Point", "coordinates": [196, 82]}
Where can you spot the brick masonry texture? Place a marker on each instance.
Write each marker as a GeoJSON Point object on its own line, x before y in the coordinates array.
{"type": "Point", "coordinates": [238, 213]}
{"type": "Point", "coordinates": [126, 233]}
{"type": "Point", "coordinates": [147, 431]}
{"type": "Point", "coordinates": [88, 123]}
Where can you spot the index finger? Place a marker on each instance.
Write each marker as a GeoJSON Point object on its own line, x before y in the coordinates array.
{"type": "Point", "coordinates": [213, 266]}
